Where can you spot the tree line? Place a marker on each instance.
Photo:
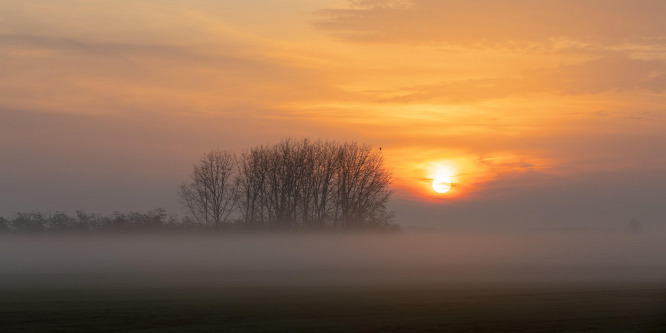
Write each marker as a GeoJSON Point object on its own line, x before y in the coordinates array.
{"type": "Point", "coordinates": [291, 184]}
{"type": "Point", "coordinates": [294, 184]}
{"type": "Point", "coordinates": [82, 221]}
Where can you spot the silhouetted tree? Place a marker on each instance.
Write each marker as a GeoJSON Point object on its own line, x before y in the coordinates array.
{"type": "Point", "coordinates": [60, 221]}
{"type": "Point", "coordinates": [30, 222]}
{"type": "Point", "coordinates": [313, 185]}
{"type": "Point", "coordinates": [211, 195]}
{"type": "Point", "coordinates": [4, 224]}
{"type": "Point", "coordinates": [152, 220]}
{"type": "Point", "coordinates": [361, 187]}
{"type": "Point", "coordinates": [251, 183]}
{"type": "Point", "coordinates": [87, 221]}
{"type": "Point", "coordinates": [291, 184]}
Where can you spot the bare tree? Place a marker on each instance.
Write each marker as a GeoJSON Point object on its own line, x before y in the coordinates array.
{"type": "Point", "coordinates": [291, 184]}
{"type": "Point", "coordinates": [361, 187]}
{"type": "Point", "coordinates": [211, 195]}
{"type": "Point", "coordinates": [252, 182]}
{"type": "Point", "coordinates": [314, 185]}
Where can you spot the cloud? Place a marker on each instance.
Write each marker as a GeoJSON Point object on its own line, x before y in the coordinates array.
{"type": "Point", "coordinates": [115, 96]}
{"type": "Point", "coordinates": [78, 75]}
{"type": "Point", "coordinates": [603, 75]}
{"type": "Point", "coordinates": [487, 22]}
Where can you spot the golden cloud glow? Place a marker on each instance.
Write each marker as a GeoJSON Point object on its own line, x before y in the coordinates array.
{"type": "Point", "coordinates": [506, 89]}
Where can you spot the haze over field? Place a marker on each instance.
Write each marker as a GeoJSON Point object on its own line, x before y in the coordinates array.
{"type": "Point", "coordinates": [480, 260]}
{"type": "Point", "coordinates": [540, 115]}
{"type": "Point", "coordinates": [333, 166]}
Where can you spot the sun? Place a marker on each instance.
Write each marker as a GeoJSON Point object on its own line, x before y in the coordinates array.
{"type": "Point", "coordinates": [441, 184]}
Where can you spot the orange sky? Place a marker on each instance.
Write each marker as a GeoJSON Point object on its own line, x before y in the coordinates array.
{"type": "Point", "coordinates": [107, 100]}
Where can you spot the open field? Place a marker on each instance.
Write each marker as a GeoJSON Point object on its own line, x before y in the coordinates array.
{"type": "Point", "coordinates": [568, 282]}
{"type": "Point", "coordinates": [338, 309]}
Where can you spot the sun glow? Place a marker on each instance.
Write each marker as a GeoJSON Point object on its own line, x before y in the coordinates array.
{"type": "Point", "coordinates": [441, 184]}
{"type": "Point", "coordinates": [442, 178]}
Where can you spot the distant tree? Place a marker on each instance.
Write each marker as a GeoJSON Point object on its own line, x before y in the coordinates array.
{"type": "Point", "coordinates": [86, 221]}
{"type": "Point", "coordinates": [287, 174]}
{"type": "Point", "coordinates": [4, 224]}
{"type": "Point", "coordinates": [37, 222]}
{"type": "Point", "coordinates": [211, 194]}
{"type": "Point", "coordinates": [60, 221]}
{"type": "Point", "coordinates": [30, 222]}
{"type": "Point", "coordinates": [325, 165]}
{"type": "Point", "coordinates": [361, 187]}
{"type": "Point", "coordinates": [317, 184]}
{"type": "Point", "coordinates": [291, 184]}
{"type": "Point", "coordinates": [252, 187]}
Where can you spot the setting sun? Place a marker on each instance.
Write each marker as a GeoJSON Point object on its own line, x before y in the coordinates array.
{"type": "Point", "coordinates": [396, 165]}
{"type": "Point", "coordinates": [441, 184]}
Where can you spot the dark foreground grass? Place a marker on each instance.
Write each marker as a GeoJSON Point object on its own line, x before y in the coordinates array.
{"type": "Point", "coordinates": [336, 309]}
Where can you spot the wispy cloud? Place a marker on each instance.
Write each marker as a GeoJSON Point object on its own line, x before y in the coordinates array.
{"type": "Point", "coordinates": [603, 75]}
{"type": "Point", "coordinates": [515, 93]}
{"type": "Point", "coordinates": [488, 23]}
{"type": "Point", "coordinates": [72, 75]}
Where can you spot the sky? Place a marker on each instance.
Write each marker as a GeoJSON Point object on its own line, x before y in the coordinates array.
{"type": "Point", "coordinates": [540, 115]}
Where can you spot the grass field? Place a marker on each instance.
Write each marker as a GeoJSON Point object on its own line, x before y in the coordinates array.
{"type": "Point", "coordinates": [531, 282]}
{"type": "Point", "coordinates": [337, 309]}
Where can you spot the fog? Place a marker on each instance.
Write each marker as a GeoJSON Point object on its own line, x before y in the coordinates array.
{"type": "Point", "coordinates": [407, 258]}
